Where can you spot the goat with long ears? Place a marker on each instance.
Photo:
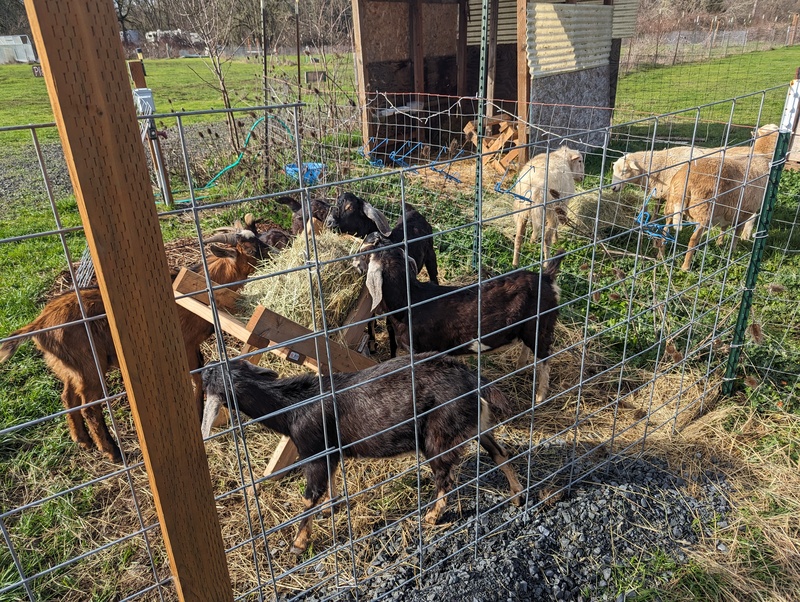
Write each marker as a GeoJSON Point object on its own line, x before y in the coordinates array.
{"type": "Point", "coordinates": [519, 305]}
{"type": "Point", "coordinates": [62, 339]}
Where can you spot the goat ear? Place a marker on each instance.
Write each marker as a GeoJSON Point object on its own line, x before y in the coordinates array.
{"type": "Point", "coordinates": [379, 219]}
{"type": "Point", "coordinates": [412, 264]}
{"type": "Point", "coordinates": [211, 410]}
{"type": "Point", "coordinates": [375, 283]}
{"type": "Point", "coordinates": [222, 252]}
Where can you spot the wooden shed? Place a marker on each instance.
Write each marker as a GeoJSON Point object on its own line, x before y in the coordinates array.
{"type": "Point", "coordinates": [545, 59]}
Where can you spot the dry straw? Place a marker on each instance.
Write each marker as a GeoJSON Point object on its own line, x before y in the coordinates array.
{"type": "Point", "coordinates": [293, 292]}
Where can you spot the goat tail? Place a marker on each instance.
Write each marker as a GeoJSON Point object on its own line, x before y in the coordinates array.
{"type": "Point", "coordinates": [553, 264]}
{"type": "Point", "coordinates": [8, 348]}
{"type": "Point", "coordinates": [497, 401]}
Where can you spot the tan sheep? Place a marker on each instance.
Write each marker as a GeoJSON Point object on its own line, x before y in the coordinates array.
{"type": "Point", "coordinates": [555, 172]}
{"type": "Point", "coordinates": [755, 161]}
{"type": "Point", "coordinates": [714, 192]}
{"type": "Point", "coordinates": [653, 170]}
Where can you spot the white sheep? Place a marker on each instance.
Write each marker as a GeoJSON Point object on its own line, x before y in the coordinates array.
{"type": "Point", "coordinates": [544, 183]}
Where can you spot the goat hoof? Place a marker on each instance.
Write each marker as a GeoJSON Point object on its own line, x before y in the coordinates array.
{"type": "Point", "coordinates": [297, 550]}
{"type": "Point", "coordinates": [517, 499]}
{"type": "Point", "coordinates": [431, 518]}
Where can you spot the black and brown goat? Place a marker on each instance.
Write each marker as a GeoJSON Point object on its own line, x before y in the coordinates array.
{"type": "Point", "coordinates": [319, 212]}
{"type": "Point", "coordinates": [68, 352]}
{"type": "Point", "coordinates": [376, 419]}
{"type": "Point", "coordinates": [259, 247]}
{"type": "Point", "coordinates": [352, 215]}
{"type": "Point", "coordinates": [520, 305]}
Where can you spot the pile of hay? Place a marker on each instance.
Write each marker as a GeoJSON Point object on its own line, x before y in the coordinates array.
{"type": "Point", "coordinates": [289, 291]}
{"type": "Point", "coordinates": [616, 211]}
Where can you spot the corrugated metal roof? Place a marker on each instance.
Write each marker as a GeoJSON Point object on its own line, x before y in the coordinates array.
{"type": "Point", "coordinates": [625, 18]}
{"type": "Point", "coordinates": [568, 37]}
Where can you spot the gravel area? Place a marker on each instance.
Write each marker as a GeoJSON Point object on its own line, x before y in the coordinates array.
{"type": "Point", "coordinates": [569, 550]}
{"type": "Point", "coordinates": [21, 182]}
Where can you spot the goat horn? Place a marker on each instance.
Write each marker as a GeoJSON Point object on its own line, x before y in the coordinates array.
{"type": "Point", "coordinates": [250, 220]}
{"type": "Point", "coordinates": [228, 238]}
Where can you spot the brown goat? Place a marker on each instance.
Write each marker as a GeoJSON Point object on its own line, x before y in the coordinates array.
{"type": "Point", "coordinates": [715, 192]}
{"type": "Point", "coordinates": [68, 352]}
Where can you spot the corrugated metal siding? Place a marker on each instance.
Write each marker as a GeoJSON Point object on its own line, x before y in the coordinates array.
{"type": "Point", "coordinates": [506, 22]}
{"type": "Point", "coordinates": [625, 18]}
{"type": "Point", "coordinates": [568, 37]}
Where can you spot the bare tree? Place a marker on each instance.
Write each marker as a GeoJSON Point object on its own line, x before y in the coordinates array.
{"type": "Point", "coordinates": [13, 19]}
{"type": "Point", "coordinates": [123, 9]}
{"type": "Point", "coordinates": [215, 21]}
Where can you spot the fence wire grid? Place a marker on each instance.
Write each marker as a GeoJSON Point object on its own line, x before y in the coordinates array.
{"type": "Point", "coordinates": [640, 346]}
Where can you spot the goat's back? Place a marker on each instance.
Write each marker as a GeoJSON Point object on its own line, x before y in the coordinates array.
{"type": "Point", "coordinates": [553, 170]}
{"type": "Point", "coordinates": [451, 323]}
{"type": "Point", "coordinates": [660, 166]}
{"type": "Point", "coordinates": [68, 348]}
{"type": "Point", "coordinates": [442, 392]}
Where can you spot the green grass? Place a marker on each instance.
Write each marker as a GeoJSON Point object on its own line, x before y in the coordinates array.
{"type": "Point", "coordinates": [666, 89]}
{"type": "Point", "coordinates": [180, 85]}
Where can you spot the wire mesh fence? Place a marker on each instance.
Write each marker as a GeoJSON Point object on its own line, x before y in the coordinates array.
{"type": "Point", "coordinates": [638, 350]}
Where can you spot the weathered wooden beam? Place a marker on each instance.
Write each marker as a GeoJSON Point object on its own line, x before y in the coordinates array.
{"type": "Point", "coordinates": [91, 97]}
{"type": "Point", "coordinates": [461, 49]}
{"type": "Point", "coordinates": [359, 11]}
{"type": "Point", "coordinates": [417, 38]}
{"type": "Point", "coordinates": [523, 80]}
{"type": "Point", "coordinates": [190, 282]}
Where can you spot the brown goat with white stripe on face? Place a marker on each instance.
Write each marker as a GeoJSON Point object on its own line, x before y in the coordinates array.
{"type": "Point", "coordinates": [379, 412]}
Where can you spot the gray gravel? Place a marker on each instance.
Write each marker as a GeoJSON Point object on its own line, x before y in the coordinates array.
{"type": "Point", "coordinates": [21, 183]}
{"type": "Point", "coordinates": [571, 550]}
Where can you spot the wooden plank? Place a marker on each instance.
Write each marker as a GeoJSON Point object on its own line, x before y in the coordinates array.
{"type": "Point", "coordinates": [89, 90]}
{"type": "Point", "coordinates": [523, 80]}
{"type": "Point", "coordinates": [461, 49]}
{"type": "Point", "coordinates": [362, 311]}
{"type": "Point", "coordinates": [285, 454]}
{"type": "Point", "coordinates": [187, 282]}
{"type": "Point", "coordinates": [277, 328]}
{"type": "Point", "coordinates": [359, 10]}
{"type": "Point", "coordinates": [417, 44]}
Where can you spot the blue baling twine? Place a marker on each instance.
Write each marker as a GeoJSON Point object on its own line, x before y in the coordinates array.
{"type": "Point", "coordinates": [655, 229]}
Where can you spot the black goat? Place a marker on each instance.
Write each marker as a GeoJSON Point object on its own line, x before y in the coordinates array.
{"type": "Point", "coordinates": [319, 212]}
{"type": "Point", "coordinates": [376, 419]}
{"type": "Point", "coordinates": [520, 305]}
{"type": "Point", "coordinates": [352, 215]}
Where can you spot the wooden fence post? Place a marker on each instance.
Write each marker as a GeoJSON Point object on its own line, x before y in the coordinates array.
{"type": "Point", "coordinates": [88, 85]}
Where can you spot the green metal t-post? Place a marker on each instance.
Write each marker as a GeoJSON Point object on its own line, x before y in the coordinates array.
{"type": "Point", "coordinates": [476, 241]}
{"type": "Point", "coordinates": [790, 111]}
